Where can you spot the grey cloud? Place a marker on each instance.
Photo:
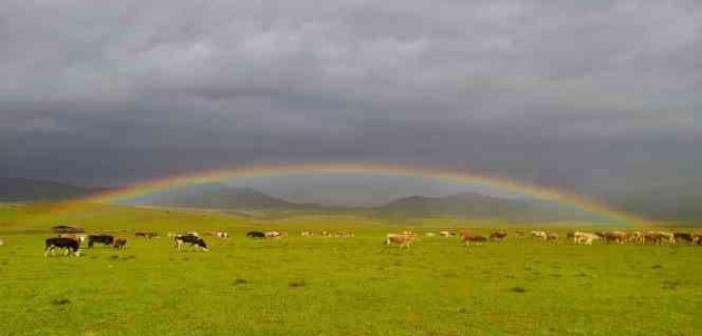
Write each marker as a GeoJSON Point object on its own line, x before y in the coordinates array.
{"type": "Point", "coordinates": [524, 88]}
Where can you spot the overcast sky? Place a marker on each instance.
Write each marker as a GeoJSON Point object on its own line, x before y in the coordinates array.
{"type": "Point", "coordinates": [599, 97]}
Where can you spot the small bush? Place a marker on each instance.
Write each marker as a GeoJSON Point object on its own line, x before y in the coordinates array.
{"type": "Point", "coordinates": [60, 302]}
{"type": "Point", "coordinates": [518, 289]}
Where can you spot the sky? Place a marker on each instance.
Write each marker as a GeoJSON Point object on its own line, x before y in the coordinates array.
{"type": "Point", "coordinates": [596, 97]}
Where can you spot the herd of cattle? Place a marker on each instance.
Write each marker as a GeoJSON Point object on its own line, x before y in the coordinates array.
{"type": "Point", "coordinates": [69, 239]}
{"type": "Point", "coordinates": [405, 239]}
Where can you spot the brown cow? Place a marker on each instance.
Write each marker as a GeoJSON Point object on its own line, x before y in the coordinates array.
{"type": "Point", "coordinates": [120, 243]}
{"type": "Point", "coordinates": [615, 236]}
{"type": "Point", "coordinates": [467, 237]}
{"type": "Point", "coordinates": [697, 237]}
{"type": "Point", "coordinates": [404, 240]}
{"type": "Point", "coordinates": [498, 235]}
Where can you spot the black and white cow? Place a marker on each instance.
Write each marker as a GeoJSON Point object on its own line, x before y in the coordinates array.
{"type": "Point", "coordinates": [71, 245]}
{"type": "Point", "coordinates": [100, 238]}
{"type": "Point", "coordinates": [192, 240]}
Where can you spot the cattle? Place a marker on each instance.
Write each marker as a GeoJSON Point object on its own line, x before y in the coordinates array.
{"type": "Point", "coordinates": [404, 240]}
{"type": "Point", "coordinates": [307, 233]}
{"type": "Point", "coordinates": [539, 235]}
{"type": "Point", "coordinates": [120, 243]}
{"type": "Point", "coordinates": [551, 236]}
{"type": "Point", "coordinates": [256, 234]}
{"type": "Point", "coordinates": [72, 246]}
{"type": "Point", "coordinates": [584, 237]}
{"type": "Point", "coordinates": [79, 237]}
{"type": "Point", "coordinates": [66, 229]}
{"type": "Point", "coordinates": [637, 237]}
{"type": "Point", "coordinates": [275, 234]}
{"type": "Point", "coordinates": [219, 234]}
{"type": "Point", "coordinates": [498, 235]}
{"type": "Point", "coordinates": [682, 236]}
{"type": "Point", "coordinates": [615, 236]}
{"type": "Point", "coordinates": [697, 237]}
{"type": "Point", "coordinates": [654, 237]}
{"type": "Point", "coordinates": [447, 234]}
{"type": "Point", "coordinates": [146, 234]}
{"type": "Point", "coordinates": [667, 236]}
{"type": "Point", "coordinates": [192, 240]}
{"type": "Point", "coordinates": [467, 237]}
{"type": "Point", "coordinates": [100, 238]}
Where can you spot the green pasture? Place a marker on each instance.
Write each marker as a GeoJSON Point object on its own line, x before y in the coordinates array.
{"type": "Point", "coordinates": [335, 286]}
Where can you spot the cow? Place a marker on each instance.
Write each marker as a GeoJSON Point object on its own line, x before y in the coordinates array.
{"type": "Point", "coordinates": [192, 240]}
{"type": "Point", "coordinates": [539, 235]}
{"type": "Point", "coordinates": [120, 243]}
{"type": "Point", "coordinates": [404, 240]}
{"type": "Point", "coordinates": [637, 237]}
{"type": "Point", "coordinates": [584, 237]}
{"type": "Point", "coordinates": [72, 246]}
{"type": "Point", "coordinates": [654, 237]}
{"type": "Point", "coordinates": [100, 238]}
{"type": "Point", "coordinates": [667, 236]}
{"type": "Point", "coordinates": [551, 236]}
{"type": "Point", "coordinates": [498, 235]}
{"type": "Point", "coordinates": [615, 236]}
{"type": "Point", "coordinates": [697, 237]}
{"type": "Point", "coordinates": [447, 234]}
{"type": "Point", "coordinates": [256, 234]}
{"type": "Point", "coordinates": [307, 233]}
{"type": "Point", "coordinates": [467, 237]}
{"type": "Point", "coordinates": [146, 234]}
{"type": "Point", "coordinates": [275, 234]}
{"type": "Point", "coordinates": [682, 236]}
{"type": "Point", "coordinates": [219, 234]}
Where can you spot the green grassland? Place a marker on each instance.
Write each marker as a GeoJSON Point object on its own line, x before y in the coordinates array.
{"type": "Point", "coordinates": [335, 286]}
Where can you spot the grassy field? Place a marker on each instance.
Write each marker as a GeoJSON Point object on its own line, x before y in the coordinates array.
{"type": "Point", "coordinates": [335, 286]}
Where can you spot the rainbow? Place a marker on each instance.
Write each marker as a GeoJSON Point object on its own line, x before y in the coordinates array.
{"type": "Point", "coordinates": [532, 190]}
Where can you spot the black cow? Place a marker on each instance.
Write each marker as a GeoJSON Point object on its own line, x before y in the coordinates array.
{"type": "Point", "coordinates": [682, 236]}
{"type": "Point", "coordinates": [193, 240]}
{"type": "Point", "coordinates": [256, 234]}
{"type": "Point", "coordinates": [71, 245]}
{"type": "Point", "coordinates": [100, 238]}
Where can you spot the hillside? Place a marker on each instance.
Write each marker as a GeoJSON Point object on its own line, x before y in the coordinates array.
{"type": "Point", "coordinates": [28, 190]}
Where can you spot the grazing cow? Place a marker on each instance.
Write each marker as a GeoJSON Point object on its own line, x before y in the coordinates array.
{"type": "Point", "coordinates": [615, 236]}
{"type": "Point", "coordinates": [100, 238]}
{"type": "Point", "coordinates": [551, 236]}
{"type": "Point", "coordinates": [539, 235]}
{"type": "Point", "coordinates": [667, 236]}
{"type": "Point", "coordinates": [697, 237]}
{"type": "Point", "coordinates": [219, 234]}
{"type": "Point", "coordinates": [307, 233]}
{"type": "Point", "coordinates": [275, 234]}
{"type": "Point", "coordinates": [447, 234]}
{"type": "Point", "coordinates": [654, 237]}
{"type": "Point", "coordinates": [637, 237]}
{"type": "Point", "coordinates": [256, 234]}
{"type": "Point", "coordinates": [498, 235]}
{"type": "Point", "coordinates": [682, 236]}
{"type": "Point", "coordinates": [467, 237]}
{"type": "Point", "coordinates": [120, 243]}
{"type": "Point", "coordinates": [192, 240]}
{"type": "Point", "coordinates": [584, 237]}
{"type": "Point", "coordinates": [72, 246]}
{"type": "Point", "coordinates": [404, 240]}
{"type": "Point", "coordinates": [146, 235]}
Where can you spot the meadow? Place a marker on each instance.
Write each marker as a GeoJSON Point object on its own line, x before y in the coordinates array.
{"type": "Point", "coordinates": [335, 286]}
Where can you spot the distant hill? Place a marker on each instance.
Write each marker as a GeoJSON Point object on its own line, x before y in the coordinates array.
{"type": "Point", "coordinates": [28, 190]}
{"type": "Point", "coordinates": [220, 196]}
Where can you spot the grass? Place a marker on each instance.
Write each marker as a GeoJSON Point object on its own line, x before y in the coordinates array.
{"type": "Point", "coordinates": [335, 286]}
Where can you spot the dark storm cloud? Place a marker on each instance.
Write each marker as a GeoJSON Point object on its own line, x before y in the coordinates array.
{"type": "Point", "coordinates": [577, 94]}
